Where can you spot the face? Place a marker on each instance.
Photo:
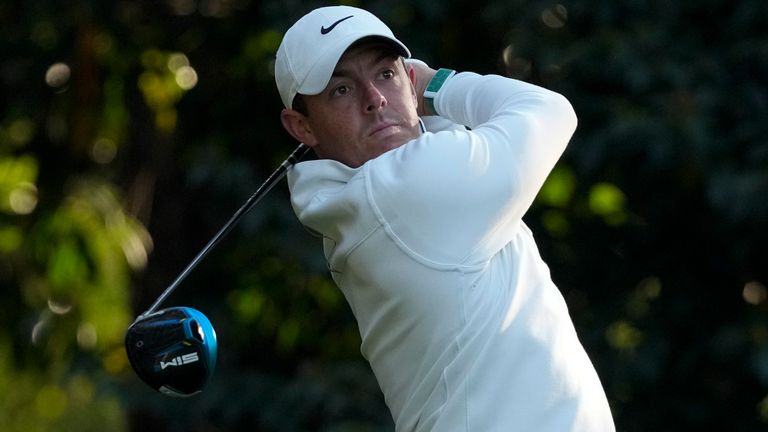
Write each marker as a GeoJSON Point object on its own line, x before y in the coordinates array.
{"type": "Point", "coordinates": [368, 108]}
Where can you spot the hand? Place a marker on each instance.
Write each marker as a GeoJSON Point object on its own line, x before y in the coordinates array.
{"type": "Point", "coordinates": [422, 74]}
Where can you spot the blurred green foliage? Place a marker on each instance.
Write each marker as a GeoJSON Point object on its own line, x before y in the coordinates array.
{"type": "Point", "coordinates": [131, 130]}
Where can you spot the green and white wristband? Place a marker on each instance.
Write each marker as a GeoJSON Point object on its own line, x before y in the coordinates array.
{"type": "Point", "coordinates": [434, 85]}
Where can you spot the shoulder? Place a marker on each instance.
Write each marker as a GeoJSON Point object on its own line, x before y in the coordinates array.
{"type": "Point", "coordinates": [311, 183]}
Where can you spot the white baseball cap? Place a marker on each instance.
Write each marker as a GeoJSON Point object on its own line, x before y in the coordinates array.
{"type": "Point", "coordinates": [311, 48]}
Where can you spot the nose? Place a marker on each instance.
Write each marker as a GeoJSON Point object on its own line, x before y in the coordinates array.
{"type": "Point", "coordinates": [374, 98]}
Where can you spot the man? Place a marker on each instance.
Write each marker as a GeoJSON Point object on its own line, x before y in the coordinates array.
{"type": "Point", "coordinates": [422, 228]}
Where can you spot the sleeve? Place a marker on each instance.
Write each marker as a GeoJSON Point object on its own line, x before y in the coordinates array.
{"type": "Point", "coordinates": [438, 124]}
{"type": "Point", "coordinates": [456, 197]}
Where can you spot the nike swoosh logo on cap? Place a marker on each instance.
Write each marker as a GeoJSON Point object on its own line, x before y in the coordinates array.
{"type": "Point", "coordinates": [324, 30]}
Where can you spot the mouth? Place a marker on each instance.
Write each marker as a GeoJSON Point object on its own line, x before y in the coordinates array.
{"type": "Point", "coordinates": [382, 129]}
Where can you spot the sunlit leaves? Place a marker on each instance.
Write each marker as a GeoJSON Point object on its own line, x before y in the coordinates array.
{"type": "Point", "coordinates": [639, 302]}
{"type": "Point", "coordinates": [261, 45]}
{"type": "Point", "coordinates": [166, 77]}
{"type": "Point", "coordinates": [256, 56]}
{"type": "Point", "coordinates": [559, 188]}
{"type": "Point", "coordinates": [50, 402]}
{"type": "Point", "coordinates": [114, 122]}
{"type": "Point", "coordinates": [289, 307]}
{"type": "Point", "coordinates": [39, 403]}
{"type": "Point", "coordinates": [18, 193]}
{"type": "Point", "coordinates": [17, 132]}
{"type": "Point", "coordinates": [88, 248]}
{"type": "Point", "coordinates": [11, 237]}
{"type": "Point", "coordinates": [762, 409]}
{"type": "Point", "coordinates": [608, 201]}
{"type": "Point", "coordinates": [555, 222]}
{"type": "Point", "coordinates": [74, 270]}
{"type": "Point", "coordinates": [557, 193]}
{"type": "Point", "coordinates": [45, 402]}
{"type": "Point", "coordinates": [623, 336]}
{"type": "Point", "coordinates": [66, 265]}
{"type": "Point", "coordinates": [562, 202]}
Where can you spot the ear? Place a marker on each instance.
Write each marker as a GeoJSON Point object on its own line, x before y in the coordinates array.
{"type": "Point", "coordinates": [297, 125]}
{"type": "Point", "coordinates": [411, 71]}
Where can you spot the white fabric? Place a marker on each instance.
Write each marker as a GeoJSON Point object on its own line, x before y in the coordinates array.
{"type": "Point", "coordinates": [312, 47]}
{"type": "Point", "coordinates": [459, 318]}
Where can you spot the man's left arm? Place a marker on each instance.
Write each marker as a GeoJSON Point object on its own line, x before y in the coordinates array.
{"type": "Point", "coordinates": [526, 127]}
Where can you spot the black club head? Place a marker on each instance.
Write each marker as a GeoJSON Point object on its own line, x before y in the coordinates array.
{"type": "Point", "coordinates": [173, 350]}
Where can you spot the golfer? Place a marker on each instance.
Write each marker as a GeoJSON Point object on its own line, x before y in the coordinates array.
{"type": "Point", "coordinates": [419, 190]}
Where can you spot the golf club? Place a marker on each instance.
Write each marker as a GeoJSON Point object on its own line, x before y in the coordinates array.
{"type": "Point", "coordinates": [174, 349]}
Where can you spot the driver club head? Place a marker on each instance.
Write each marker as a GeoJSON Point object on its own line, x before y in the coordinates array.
{"type": "Point", "coordinates": [173, 350]}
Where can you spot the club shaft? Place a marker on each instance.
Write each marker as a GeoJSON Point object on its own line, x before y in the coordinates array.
{"type": "Point", "coordinates": [265, 187]}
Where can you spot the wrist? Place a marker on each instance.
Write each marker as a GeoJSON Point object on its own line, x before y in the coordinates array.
{"type": "Point", "coordinates": [433, 87]}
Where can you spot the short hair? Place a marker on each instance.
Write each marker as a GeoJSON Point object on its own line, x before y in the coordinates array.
{"type": "Point", "coordinates": [300, 104]}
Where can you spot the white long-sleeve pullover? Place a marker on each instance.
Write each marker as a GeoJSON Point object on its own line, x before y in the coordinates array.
{"type": "Point", "coordinates": [458, 315]}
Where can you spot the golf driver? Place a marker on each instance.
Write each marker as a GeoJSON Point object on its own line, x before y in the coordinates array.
{"type": "Point", "coordinates": [174, 349]}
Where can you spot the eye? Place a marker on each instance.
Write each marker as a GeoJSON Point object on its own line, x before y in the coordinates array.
{"type": "Point", "coordinates": [388, 74]}
{"type": "Point", "coordinates": [340, 90]}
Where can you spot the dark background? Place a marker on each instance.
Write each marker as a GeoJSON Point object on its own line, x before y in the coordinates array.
{"type": "Point", "coordinates": [130, 131]}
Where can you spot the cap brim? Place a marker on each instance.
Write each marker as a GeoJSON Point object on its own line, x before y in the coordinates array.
{"type": "Point", "coordinates": [320, 75]}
